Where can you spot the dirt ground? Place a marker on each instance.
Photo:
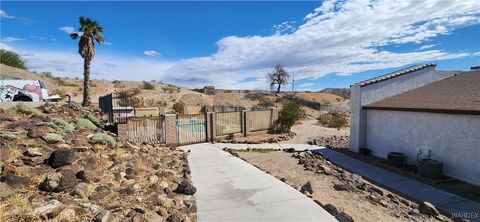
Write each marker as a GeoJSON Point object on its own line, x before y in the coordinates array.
{"type": "Point", "coordinates": [283, 165]}
{"type": "Point", "coordinates": [309, 129]}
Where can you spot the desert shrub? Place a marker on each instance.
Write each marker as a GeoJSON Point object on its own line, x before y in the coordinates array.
{"type": "Point", "coordinates": [103, 138]}
{"type": "Point", "coordinates": [22, 108]}
{"type": "Point", "coordinates": [8, 136]}
{"type": "Point", "coordinates": [61, 92]}
{"type": "Point", "coordinates": [71, 84]}
{"type": "Point", "coordinates": [84, 123]}
{"type": "Point", "coordinates": [47, 74]}
{"type": "Point", "coordinates": [59, 125]}
{"type": "Point", "coordinates": [52, 138]}
{"type": "Point", "coordinates": [92, 119]}
{"type": "Point", "coordinates": [333, 119]}
{"type": "Point", "coordinates": [289, 115]}
{"type": "Point", "coordinates": [148, 86]}
{"type": "Point", "coordinates": [266, 103]}
{"type": "Point", "coordinates": [93, 84]}
{"type": "Point", "coordinates": [10, 58]}
{"type": "Point", "coordinates": [170, 89]}
{"type": "Point", "coordinates": [178, 107]}
{"type": "Point", "coordinates": [255, 96]}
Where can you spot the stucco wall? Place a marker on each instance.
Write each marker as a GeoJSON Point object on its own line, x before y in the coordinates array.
{"type": "Point", "coordinates": [368, 94]}
{"type": "Point", "coordinates": [452, 139]}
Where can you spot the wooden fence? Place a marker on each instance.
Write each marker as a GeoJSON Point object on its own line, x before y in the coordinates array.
{"type": "Point", "coordinates": [228, 123]}
{"type": "Point", "coordinates": [259, 120]}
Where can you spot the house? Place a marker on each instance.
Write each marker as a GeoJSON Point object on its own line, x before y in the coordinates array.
{"type": "Point", "coordinates": [423, 113]}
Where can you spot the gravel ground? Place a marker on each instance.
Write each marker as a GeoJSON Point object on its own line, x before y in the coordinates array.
{"type": "Point", "coordinates": [283, 165]}
{"type": "Point", "coordinates": [310, 129]}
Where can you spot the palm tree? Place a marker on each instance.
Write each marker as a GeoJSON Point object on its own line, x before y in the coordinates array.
{"type": "Point", "coordinates": [278, 77]}
{"type": "Point", "coordinates": [88, 32]}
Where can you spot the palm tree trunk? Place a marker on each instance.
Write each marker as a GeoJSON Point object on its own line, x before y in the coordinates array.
{"type": "Point", "coordinates": [86, 82]}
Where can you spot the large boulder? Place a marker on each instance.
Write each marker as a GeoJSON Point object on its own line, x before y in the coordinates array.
{"type": "Point", "coordinates": [39, 131]}
{"type": "Point", "coordinates": [428, 209]}
{"type": "Point", "coordinates": [61, 157]}
{"type": "Point", "coordinates": [59, 181]}
{"type": "Point", "coordinates": [307, 188]}
{"type": "Point", "coordinates": [49, 209]}
{"type": "Point", "coordinates": [186, 188]}
{"type": "Point", "coordinates": [343, 217]}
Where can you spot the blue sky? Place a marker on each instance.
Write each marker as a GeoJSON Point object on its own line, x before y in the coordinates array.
{"type": "Point", "coordinates": [233, 44]}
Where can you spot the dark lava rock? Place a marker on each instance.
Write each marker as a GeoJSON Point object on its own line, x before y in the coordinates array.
{"type": "Point", "coordinates": [186, 188]}
{"type": "Point", "coordinates": [15, 181]}
{"type": "Point", "coordinates": [330, 208]}
{"type": "Point", "coordinates": [61, 157]}
{"type": "Point", "coordinates": [346, 187]}
{"type": "Point", "coordinates": [343, 217]}
{"type": "Point", "coordinates": [428, 209]}
{"type": "Point", "coordinates": [59, 181]}
{"type": "Point", "coordinates": [307, 188]}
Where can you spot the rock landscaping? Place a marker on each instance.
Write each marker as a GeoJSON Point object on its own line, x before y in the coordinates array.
{"type": "Point", "coordinates": [60, 165]}
{"type": "Point", "coordinates": [347, 196]}
{"type": "Point", "coordinates": [259, 138]}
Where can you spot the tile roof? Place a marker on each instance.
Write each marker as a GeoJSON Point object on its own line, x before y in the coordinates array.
{"type": "Point", "coordinates": [394, 74]}
{"type": "Point", "coordinates": [458, 94]}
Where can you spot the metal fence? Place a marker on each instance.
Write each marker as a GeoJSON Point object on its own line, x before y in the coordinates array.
{"type": "Point", "coordinates": [146, 129]}
{"type": "Point", "coordinates": [191, 128]}
{"type": "Point", "coordinates": [116, 106]}
{"type": "Point", "coordinates": [228, 123]}
{"type": "Point", "coordinates": [259, 120]}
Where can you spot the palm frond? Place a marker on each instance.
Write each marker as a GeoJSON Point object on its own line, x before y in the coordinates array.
{"type": "Point", "coordinates": [74, 35]}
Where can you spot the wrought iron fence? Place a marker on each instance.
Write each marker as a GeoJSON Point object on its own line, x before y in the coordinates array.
{"type": "Point", "coordinates": [146, 129]}
{"type": "Point", "coordinates": [191, 128]}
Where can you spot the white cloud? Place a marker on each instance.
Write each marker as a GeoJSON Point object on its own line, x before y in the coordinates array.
{"type": "Point", "coordinates": [339, 37]}
{"type": "Point", "coordinates": [67, 29]}
{"type": "Point", "coordinates": [107, 43]}
{"type": "Point", "coordinates": [3, 14]}
{"type": "Point", "coordinates": [11, 39]}
{"type": "Point", "coordinates": [151, 53]}
{"type": "Point", "coordinates": [104, 66]}
{"type": "Point", "coordinates": [428, 46]}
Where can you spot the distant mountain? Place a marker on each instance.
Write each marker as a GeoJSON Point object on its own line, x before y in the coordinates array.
{"type": "Point", "coordinates": [342, 92]}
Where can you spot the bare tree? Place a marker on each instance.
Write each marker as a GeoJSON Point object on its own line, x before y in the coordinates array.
{"type": "Point", "coordinates": [278, 77]}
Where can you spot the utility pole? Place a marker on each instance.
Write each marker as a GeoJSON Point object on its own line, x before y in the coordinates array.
{"type": "Point", "coordinates": [293, 84]}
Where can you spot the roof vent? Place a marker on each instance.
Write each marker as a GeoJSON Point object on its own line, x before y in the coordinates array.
{"type": "Point", "coordinates": [475, 68]}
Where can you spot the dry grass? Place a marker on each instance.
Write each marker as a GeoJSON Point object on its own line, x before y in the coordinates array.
{"type": "Point", "coordinates": [321, 97]}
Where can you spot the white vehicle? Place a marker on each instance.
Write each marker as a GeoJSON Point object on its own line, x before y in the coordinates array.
{"type": "Point", "coordinates": [23, 90]}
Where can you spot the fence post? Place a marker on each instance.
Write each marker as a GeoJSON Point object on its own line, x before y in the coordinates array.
{"type": "Point", "coordinates": [247, 124]}
{"type": "Point", "coordinates": [274, 115]}
{"type": "Point", "coordinates": [211, 126]}
{"type": "Point", "coordinates": [171, 129]}
{"type": "Point", "coordinates": [244, 122]}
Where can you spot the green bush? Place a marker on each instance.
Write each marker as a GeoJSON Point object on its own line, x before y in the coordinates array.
{"type": "Point", "coordinates": [10, 58]}
{"type": "Point", "coordinates": [103, 138]}
{"type": "Point", "coordinates": [333, 119]}
{"type": "Point", "coordinates": [52, 138]}
{"type": "Point", "coordinates": [178, 107]}
{"type": "Point", "coordinates": [59, 125]}
{"type": "Point", "coordinates": [8, 136]}
{"type": "Point", "coordinates": [289, 115]}
{"type": "Point", "coordinates": [148, 86]}
{"type": "Point", "coordinates": [92, 119]}
{"type": "Point", "coordinates": [22, 108]}
{"type": "Point", "coordinates": [84, 123]}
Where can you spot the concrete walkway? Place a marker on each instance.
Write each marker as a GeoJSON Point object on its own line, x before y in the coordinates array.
{"type": "Point", "coordinates": [448, 202]}
{"type": "Point", "coordinates": [230, 189]}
